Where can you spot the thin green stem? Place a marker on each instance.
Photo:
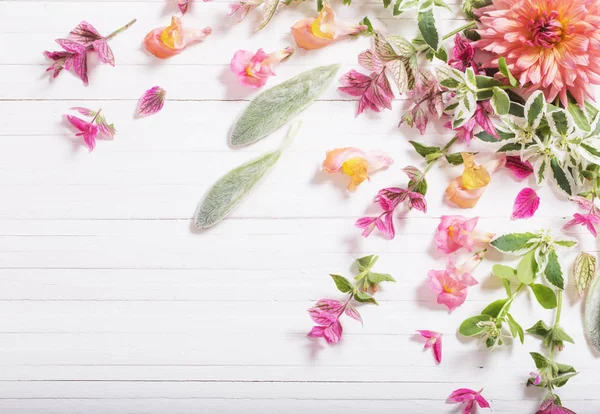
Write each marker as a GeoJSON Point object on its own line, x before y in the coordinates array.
{"type": "Point", "coordinates": [460, 29]}
{"type": "Point", "coordinates": [96, 116]}
{"type": "Point", "coordinates": [116, 32]}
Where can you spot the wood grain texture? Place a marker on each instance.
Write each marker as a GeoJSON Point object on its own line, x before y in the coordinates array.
{"type": "Point", "coordinates": [111, 303]}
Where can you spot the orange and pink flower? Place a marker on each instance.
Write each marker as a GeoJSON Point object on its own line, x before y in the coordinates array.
{"type": "Point", "coordinates": [549, 45]}
{"type": "Point", "coordinates": [452, 283]}
{"type": "Point", "coordinates": [326, 28]}
{"type": "Point", "coordinates": [355, 163]}
{"type": "Point", "coordinates": [169, 41]}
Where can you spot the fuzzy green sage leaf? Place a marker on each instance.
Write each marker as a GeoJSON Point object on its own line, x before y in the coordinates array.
{"type": "Point", "coordinates": [592, 315]}
{"type": "Point", "coordinates": [230, 189]}
{"type": "Point", "coordinates": [275, 107]}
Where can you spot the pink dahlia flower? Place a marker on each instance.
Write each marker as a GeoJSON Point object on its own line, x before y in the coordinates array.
{"type": "Point", "coordinates": [549, 45]}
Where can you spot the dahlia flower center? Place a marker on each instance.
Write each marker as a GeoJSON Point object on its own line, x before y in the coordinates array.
{"type": "Point", "coordinates": [546, 30]}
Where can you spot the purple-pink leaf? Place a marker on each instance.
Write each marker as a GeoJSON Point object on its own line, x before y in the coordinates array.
{"type": "Point", "coordinates": [71, 46]}
{"type": "Point", "coordinates": [83, 111]}
{"type": "Point", "coordinates": [79, 62]}
{"type": "Point", "coordinates": [104, 51]}
{"type": "Point", "coordinates": [521, 169]}
{"type": "Point", "coordinates": [84, 34]}
{"type": "Point", "coordinates": [353, 313]}
{"type": "Point", "coordinates": [152, 101]}
{"type": "Point", "coordinates": [526, 204]}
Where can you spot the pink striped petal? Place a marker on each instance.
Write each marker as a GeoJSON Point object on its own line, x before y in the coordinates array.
{"type": "Point", "coordinates": [152, 101]}
{"type": "Point", "coordinates": [526, 204]}
{"type": "Point", "coordinates": [104, 51]}
{"type": "Point", "coordinates": [521, 169]}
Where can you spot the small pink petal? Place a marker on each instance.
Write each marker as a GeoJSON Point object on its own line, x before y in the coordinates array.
{"type": "Point", "coordinates": [78, 123]}
{"type": "Point", "coordinates": [80, 66]}
{"type": "Point", "coordinates": [427, 334]}
{"type": "Point", "coordinates": [85, 34]}
{"type": "Point", "coordinates": [152, 101]}
{"type": "Point", "coordinates": [526, 204]}
{"type": "Point", "coordinates": [183, 5]}
{"type": "Point", "coordinates": [521, 169]}
{"type": "Point", "coordinates": [83, 111]}
{"type": "Point", "coordinates": [104, 51]}
{"type": "Point", "coordinates": [353, 313]}
{"type": "Point", "coordinates": [437, 350]}
{"type": "Point", "coordinates": [71, 46]}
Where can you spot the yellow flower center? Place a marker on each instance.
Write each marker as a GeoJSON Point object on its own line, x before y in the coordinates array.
{"type": "Point", "coordinates": [357, 168]}
{"type": "Point", "coordinates": [316, 29]}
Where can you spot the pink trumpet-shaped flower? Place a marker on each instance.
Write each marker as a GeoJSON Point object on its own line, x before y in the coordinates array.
{"type": "Point", "coordinates": [93, 129]}
{"type": "Point", "coordinates": [452, 283]}
{"type": "Point", "coordinates": [254, 69]}
{"type": "Point", "coordinates": [355, 163]}
{"type": "Point", "coordinates": [470, 397]}
{"type": "Point", "coordinates": [165, 42]}
{"type": "Point", "coordinates": [434, 340]}
{"type": "Point", "coordinates": [590, 220]}
{"type": "Point", "coordinates": [326, 28]}
{"type": "Point", "coordinates": [455, 232]}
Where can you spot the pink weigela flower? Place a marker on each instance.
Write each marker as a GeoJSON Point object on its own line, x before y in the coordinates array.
{"type": "Point", "coordinates": [590, 220]}
{"type": "Point", "coordinates": [90, 130]}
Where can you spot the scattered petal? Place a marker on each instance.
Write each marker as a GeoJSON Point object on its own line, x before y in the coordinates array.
{"type": "Point", "coordinates": [526, 204]}
{"type": "Point", "coordinates": [355, 163]}
{"type": "Point", "coordinates": [521, 169]}
{"type": "Point", "coordinates": [434, 339]}
{"type": "Point", "coordinates": [151, 101]}
{"type": "Point", "coordinates": [169, 41]}
{"type": "Point", "coordinates": [468, 396]}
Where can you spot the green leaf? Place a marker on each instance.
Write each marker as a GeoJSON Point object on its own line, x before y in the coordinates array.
{"type": "Point", "coordinates": [441, 3]}
{"type": "Point", "coordinates": [230, 190]}
{"type": "Point", "coordinates": [566, 243]}
{"type": "Point", "coordinates": [494, 308]}
{"type": "Point", "coordinates": [319, 5]}
{"type": "Point", "coordinates": [515, 328]}
{"type": "Point", "coordinates": [500, 101]}
{"type": "Point", "coordinates": [450, 83]}
{"type": "Point", "coordinates": [584, 271]}
{"type": "Point", "coordinates": [527, 268]}
{"type": "Point", "coordinates": [343, 284]}
{"type": "Point", "coordinates": [365, 263]}
{"type": "Point", "coordinates": [441, 54]}
{"type": "Point", "coordinates": [421, 186]}
{"type": "Point", "coordinates": [515, 146]}
{"type": "Point", "coordinates": [486, 82]}
{"type": "Point", "coordinates": [579, 117]}
{"type": "Point", "coordinates": [376, 278]}
{"type": "Point", "coordinates": [504, 272]}
{"type": "Point", "coordinates": [560, 176]}
{"type": "Point", "coordinates": [535, 108]}
{"type": "Point", "coordinates": [559, 335]}
{"type": "Point", "coordinates": [366, 22]}
{"type": "Point", "coordinates": [484, 136]}
{"type": "Point", "coordinates": [544, 295]}
{"type": "Point", "coordinates": [559, 122]}
{"type": "Point", "coordinates": [424, 150]}
{"type": "Point", "coordinates": [540, 361]}
{"type": "Point", "coordinates": [562, 379]}
{"type": "Point", "coordinates": [454, 159]}
{"type": "Point", "coordinates": [427, 28]}
{"type": "Point", "coordinates": [364, 297]}
{"type": "Point", "coordinates": [514, 243]}
{"type": "Point", "coordinates": [506, 72]}
{"type": "Point", "coordinates": [553, 271]}
{"type": "Point", "coordinates": [276, 106]}
{"type": "Point", "coordinates": [540, 329]}
{"type": "Point", "coordinates": [470, 327]}
{"type": "Point", "coordinates": [592, 315]}
{"type": "Point", "coordinates": [564, 368]}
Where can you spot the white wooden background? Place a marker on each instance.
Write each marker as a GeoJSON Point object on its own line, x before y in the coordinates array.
{"type": "Point", "coordinates": [110, 303]}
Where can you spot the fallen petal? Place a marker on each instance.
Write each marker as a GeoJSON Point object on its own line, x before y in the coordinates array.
{"type": "Point", "coordinates": [526, 204]}
{"type": "Point", "coordinates": [151, 101]}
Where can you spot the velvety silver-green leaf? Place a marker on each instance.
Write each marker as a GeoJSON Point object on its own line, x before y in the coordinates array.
{"type": "Point", "coordinates": [584, 270]}
{"type": "Point", "coordinates": [230, 189]}
{"type": "Point", "coordinates": [276, 106]}
{"type": "Point", "coordinates": [592, 315]}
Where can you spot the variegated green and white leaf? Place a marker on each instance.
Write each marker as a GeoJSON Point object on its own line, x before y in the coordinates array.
{"type": "Point", "coordinates": [540, 168]}
{"type": "Point", "coordinates": [231, 189]}
{"type": "Point", "coordinates": [276, 106]}
{"type": "Point", "coordinates": [535, 108]}
{"type": "Point", "coordinates": [584, 271]}
{"type": "Point", "coordinates": [270, 7]}
{"type": "Point", "coordinates": [560, 122]}
{"type": "Point", "coordinates": [561, 178]}
{"type": "Point", "coordinates": [500, 101]}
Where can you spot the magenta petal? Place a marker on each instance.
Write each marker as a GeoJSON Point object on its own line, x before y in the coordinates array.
{"type": "Point", "coordinates": [152, 101]}
{"type": "Point", "coordinates": [437, 350]}
{"type": "Point", "coordinates": [461, 395]}
{"type": "Point", "coordinates": [526, 204]}
{"type": "Point", "coordinates": [80, 66]}
{"type": "Point", "coordinates": [83, 111]}
{"type": "Point", "coordinates": [427, 334]}
{"type": "Point", "coordinates": [482, 402]}
{"type": "Point", "coordinates": [84, 34]}
{"type": "Point", "coordinates": [521, 169]}
{"type": "Point", "coordinates": [104, 51]}
{"type": "Point", "coordinates": [468, 407]}
{"type": "Point", "coordinates": [71, 46]}
{"type": "Point", "coordinates": [316, 332]}
{"type": "Point", "coordinates": [80, 124]}
{"type": "Point", "coordinates": [89, 136]}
